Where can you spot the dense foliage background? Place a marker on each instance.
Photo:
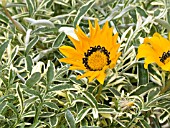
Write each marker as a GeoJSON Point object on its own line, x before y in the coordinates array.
{"type": "Point", "coordinates": [37, 91]}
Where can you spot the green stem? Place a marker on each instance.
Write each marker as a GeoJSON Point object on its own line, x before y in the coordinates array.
{"type": "Point", "coordinates": [166, 87]}
{"type": "Point", "coordinates": [38, 113]}
{"type": "Point", "coordinates": [99, 92]}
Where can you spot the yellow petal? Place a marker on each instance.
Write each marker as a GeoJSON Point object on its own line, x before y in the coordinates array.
{"type": "Point", "coordinates": [158, 43]}
{"type": "Point", "coordinates": [86, 74]}
{"type": "Point", "coordinates": [72, 61]}
{"type": "Point", "coordinates": [146, 50]}
{"type": "Point", "coordinates": [97, 27]}
{"type": "Point", "coordinates": [149, 60]}
{"type": "Point", "coordinates": [165, 44]}
{"type": "Point", "coordinates": [105, 27]}
{"type": "Point", "coordinates": [114, 60]}
{"type": "Point", "coordinates": [114, 50]}
{"type": "Point", "coordinates": [166, 67]}
{"type": "Point", "coordinates": [114, 38]}
{"type": "Point", "coordinates": [77, 68]}
{"type": "Point", "coordinates": [101, 77]}
{"type": "Point", "coordinates": [80, 33]}
{"type": "Point", "coordinates": [155, 43]}
{"type": "Point", "coordinates": [91, 74]}
{"type": "Point", "coordinates": [97, 38]}
{"type": "Point", "coordinates": [77, 44]}
{"type": "Point", "coordinates": [84, 40]}
{"type": "Point", "coordinates": [106, 38]}
{"type": "Point", "coordinates": [113, 44]}
{"type": "Point", "coordinates": [152, 59]}
{"type": "Point", "coordinates": [92, 30]}
{"type": "Point", "coordinates": [94, 75]}
{"type": "Point", "coordinates": [70, 52]}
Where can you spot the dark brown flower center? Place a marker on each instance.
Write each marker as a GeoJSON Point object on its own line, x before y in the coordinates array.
{"type": "Point", "coordinates": [96, 58]}
{"type": "Point", "coordinates": [164, 56]}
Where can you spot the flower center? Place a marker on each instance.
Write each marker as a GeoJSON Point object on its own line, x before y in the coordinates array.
{"type": "Point", "coordinates": [96, 58]}
{"type": "Point", "coordinates": [165, 57]}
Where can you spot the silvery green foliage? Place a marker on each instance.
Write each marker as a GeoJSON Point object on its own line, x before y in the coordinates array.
{"type": "Point", "coordinates": [36, 90]}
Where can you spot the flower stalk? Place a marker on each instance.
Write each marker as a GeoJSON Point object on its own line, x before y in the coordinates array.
{"type": "Point", "coordinates": [99, 92]}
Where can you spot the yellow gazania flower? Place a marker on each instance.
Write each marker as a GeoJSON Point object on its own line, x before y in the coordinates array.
{"type": "Point", "coordinates": [93, 54]}
{"type": "Point", "coordinates": [155, 50]}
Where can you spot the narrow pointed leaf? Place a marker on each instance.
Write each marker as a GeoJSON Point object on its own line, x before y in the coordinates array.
{"type": "Point", "coordinates": [14, 53]}
{"type": "Point", "coordinates": [144, 124]}
{"type": "Point", "coordinates": [62, 87]}
{"type": "Point", "coordinates": [50, 72]}
{"type": "Point", "coordinates": [59, 40]}
{"type": "Point", "coordinates": [3, 47]}
{"type": "Point", "coordinates": [53, 121]}
{"type": "Point", "coordinates": [30, 5]}
{"type": "Point", "coordinates": [70, 119]}
{"type": "Point", "coordinates": [29, 63]}
{"type": "Point", "coordinates": [20, 96]}
{"type": "Point", "coordinates": [51, 105]}
{"type": "Point", "coordinates": [143, 89]}
{"type": "Point", "coordinates": [31, 44]}
{"type": "Point", "coordinates": [3, 18]}
{"type": "Point", "coordinates": [91, 99]}
{"type": "Point", "coordinates": [124, 11]}
{"type": "Point", "coordinates": [82, 114]}
{"type": "Point", "coordinates": [82, 11]}
{"type": "Point", "coordinates": [34, 78]}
